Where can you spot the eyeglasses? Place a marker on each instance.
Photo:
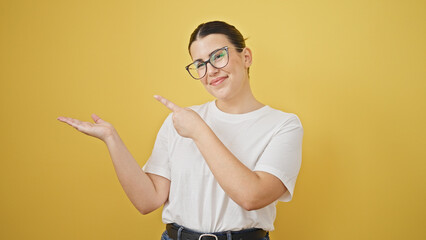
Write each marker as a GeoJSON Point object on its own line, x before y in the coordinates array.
{"type": "Point", "coordinates": [219, 58]}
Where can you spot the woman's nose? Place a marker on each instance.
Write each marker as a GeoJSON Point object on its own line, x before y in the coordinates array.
{"type": "Point", "coordinates": [211, 71]}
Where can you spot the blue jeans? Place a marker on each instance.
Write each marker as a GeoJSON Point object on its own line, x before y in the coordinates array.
{"type": "Point", "coordinates": [164, 236]}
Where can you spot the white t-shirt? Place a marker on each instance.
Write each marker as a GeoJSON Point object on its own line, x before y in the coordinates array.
{"type": "Point", "coordinates": [266, 140]}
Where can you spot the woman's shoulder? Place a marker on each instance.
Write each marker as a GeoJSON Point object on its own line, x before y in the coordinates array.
{"type": "Point", "coordinates": [283, 116]}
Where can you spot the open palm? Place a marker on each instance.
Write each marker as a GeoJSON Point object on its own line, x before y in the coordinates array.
{"type": "Point", "coordinates": [100, 129]}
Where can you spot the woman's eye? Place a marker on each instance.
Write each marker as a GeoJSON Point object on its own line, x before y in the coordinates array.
{"type": "Point", "coordinates": [199, 65]}
{"type": "Point", "coordinates": [218, 56]}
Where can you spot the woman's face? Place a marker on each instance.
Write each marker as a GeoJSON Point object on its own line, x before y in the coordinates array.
{"type": "Point", "coordinates": [227, 83]}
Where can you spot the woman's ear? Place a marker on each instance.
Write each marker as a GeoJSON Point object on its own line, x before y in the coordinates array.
{"type": "Point", "coordinates": [247, 57]}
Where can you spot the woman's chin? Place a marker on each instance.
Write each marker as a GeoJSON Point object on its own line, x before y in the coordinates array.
{"type": "Point", "coordinates": [223, 97]}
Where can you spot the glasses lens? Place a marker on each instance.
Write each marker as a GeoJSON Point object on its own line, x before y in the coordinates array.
{"type": "Point", "coordinates": [219, 59]}
{"type": "Point", "coordinates": [197, 69]}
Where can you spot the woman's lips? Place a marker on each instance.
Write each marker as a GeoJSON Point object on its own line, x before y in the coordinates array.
{"type": "Point", "coordinates": [217, 81]}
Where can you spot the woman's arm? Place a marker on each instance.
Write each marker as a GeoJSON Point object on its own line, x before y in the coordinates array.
{"type": "Point", "coordinates": [249, 189]}
{"type": "Point", "coordinates": [147, 192]}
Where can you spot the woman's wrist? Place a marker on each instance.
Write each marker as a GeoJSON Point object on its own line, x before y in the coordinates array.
{"type": "Point", "coordinates": [111, 137]}
{"type": "Point", "coordinates": [202, 132]}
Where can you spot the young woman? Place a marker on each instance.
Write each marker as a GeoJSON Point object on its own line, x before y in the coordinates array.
{"type": "Point", "coordinates": [218, 168]}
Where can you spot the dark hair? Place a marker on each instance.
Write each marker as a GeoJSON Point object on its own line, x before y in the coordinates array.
{"type": "Point", "coordinates": [233, 35]}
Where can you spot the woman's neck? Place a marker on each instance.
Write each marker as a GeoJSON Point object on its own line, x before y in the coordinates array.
{"type": "Point", "coordinates": [243, 104]}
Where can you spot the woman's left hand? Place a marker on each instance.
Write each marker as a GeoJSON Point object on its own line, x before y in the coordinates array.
{"type": "Point", "coordinates": [186, 121]}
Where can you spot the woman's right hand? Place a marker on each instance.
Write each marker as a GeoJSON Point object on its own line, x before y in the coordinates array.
{"type": "Point", "coordinates": [100, 129]}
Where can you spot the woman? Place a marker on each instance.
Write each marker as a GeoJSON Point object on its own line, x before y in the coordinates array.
{"type": "Point", "coordinates": [218, 168]}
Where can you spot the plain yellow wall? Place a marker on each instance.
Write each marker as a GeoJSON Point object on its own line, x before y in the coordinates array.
{"type": "Point", "coordinates": [353, 71]}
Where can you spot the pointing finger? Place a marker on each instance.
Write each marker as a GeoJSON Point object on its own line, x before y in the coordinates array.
{"type": "Point", "coordinates": [167, 103]}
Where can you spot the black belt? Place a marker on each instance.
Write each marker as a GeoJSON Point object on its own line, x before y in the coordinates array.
{"type": "Point", "coordinates": [186, 234]}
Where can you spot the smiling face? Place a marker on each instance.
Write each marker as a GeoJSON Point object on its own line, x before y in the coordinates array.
{"type": "Point", "coordinates": [230, 82]}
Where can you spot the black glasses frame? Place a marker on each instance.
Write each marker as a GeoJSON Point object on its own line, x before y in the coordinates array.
{"type": "Point", "coordinates": [208, 61]}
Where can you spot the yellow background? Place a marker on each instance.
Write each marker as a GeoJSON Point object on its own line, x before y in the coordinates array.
{"type": "Point", "coordinates": [353, 71]}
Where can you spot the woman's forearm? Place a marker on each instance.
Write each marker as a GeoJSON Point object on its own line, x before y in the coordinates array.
{"type": "Point", "coordinates": [249, 189]}
{"type": "Point", "coordinates": [137, 185]}
{"type": "Point", "coordinates": [238, 181]}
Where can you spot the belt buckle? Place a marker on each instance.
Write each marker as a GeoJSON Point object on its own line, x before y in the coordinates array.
{"type": "Point", "coordinates": [207, 235]}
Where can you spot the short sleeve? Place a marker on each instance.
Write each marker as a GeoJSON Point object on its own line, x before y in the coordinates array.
{"type": "Point", "coordinates": [158, 162]}
{"type": "Point", "coordinates": [282, 156]}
